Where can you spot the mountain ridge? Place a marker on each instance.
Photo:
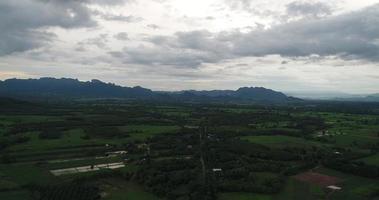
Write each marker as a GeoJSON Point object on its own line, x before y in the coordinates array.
{"type": "Point", "coordinates": [73, 88]}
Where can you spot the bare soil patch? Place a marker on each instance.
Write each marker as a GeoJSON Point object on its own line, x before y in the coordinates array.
{"type": "Point", "coordinates": [318, 179]}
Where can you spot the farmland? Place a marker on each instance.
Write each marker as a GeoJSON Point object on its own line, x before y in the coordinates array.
{"type": "Point", "coordinates": [187, 151]}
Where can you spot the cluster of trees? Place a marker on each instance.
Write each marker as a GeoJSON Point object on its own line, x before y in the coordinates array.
{"type": "Point", "coordinates": [269, 186]}
{"type": "Point", "coordinates": [168, 177]}
{"type": "Point", "coordinates": [20, 128]}
{"type": "Point", "coordinates": [245, 167]}
{"type": "Point", "coordinates": [65, 192]}
{"type": "Point", "coordinates": [12, 140]}
{"type": "Point", "coordinates": [50, 134]}
{"type": "Point", "coordinates": [309, 125]}
{"type": "Point", "coordinates": [218, 117]}
{"type": "Point", "coordinates": [353, 167]}
{"type": "Point", "coordinates": [104, 132]}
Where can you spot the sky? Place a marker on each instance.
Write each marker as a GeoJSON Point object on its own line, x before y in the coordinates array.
{"type": "Point", "coordinates": [287, 45]}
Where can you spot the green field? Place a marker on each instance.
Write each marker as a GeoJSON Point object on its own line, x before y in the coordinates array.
{"type": "Point", "coordinates": [294, 190]}
{"type": "Point", "coordinates": [243, 196]}
{"type": "Point", "coordinates": [15, 195]}
{"type": "Point", "coordinates": [115, 189]}
{"type": "Point", "coordinates": [371, 160]}
{"type": "Point", "coordinates": [279, 141]}
{"type": "Point", "coordinates": [23, 174]}
{"type": "Point", "coordinates": [72, 138]}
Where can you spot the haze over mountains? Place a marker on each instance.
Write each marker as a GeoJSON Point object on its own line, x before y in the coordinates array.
{"type": "Point", "coordinates": [73, 88]}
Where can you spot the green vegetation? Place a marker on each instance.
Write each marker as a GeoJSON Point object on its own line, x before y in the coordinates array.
{"type": "Point", "coordinates": [280, 141]}
{"type": "Point", "coordinates": [117, 189]}
{"type": "Point", "coordinates": [371, 160]}
{"type": "Point", "coordinates": [243, 196]}
{"type": "Point", "coordinates": [187, 151]}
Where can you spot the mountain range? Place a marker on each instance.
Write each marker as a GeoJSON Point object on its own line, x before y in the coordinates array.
{"type": "Point", "coordinates": [368, 98]}
{"type": "Point", "coordinates": [66, 88]}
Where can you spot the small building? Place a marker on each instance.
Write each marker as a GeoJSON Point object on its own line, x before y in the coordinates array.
{"type": "Point", "coordinates": [333, 187]}
{"type": "Point", "coordinates": [217, 170]}
{"type": "Point", "coordinates": [191, 127]}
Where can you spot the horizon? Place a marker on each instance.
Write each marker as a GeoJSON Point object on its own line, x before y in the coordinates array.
{"type": "Point", "coordinates": [168, 45]}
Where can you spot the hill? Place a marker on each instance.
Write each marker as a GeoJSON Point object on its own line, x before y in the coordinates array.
{"type": "Point", "coordinates": [65, 88]}
{"type": "Point", "coordinates": [68, 88]}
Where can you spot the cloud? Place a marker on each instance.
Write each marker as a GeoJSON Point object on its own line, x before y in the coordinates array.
{"type": "Point", "coordinates": [308, 9]}
{"type": "Point", "coordinates": [122, 18]}
{"type": "Point", "coordinates": [353, 35]}
{"type": "Point", "coordinates": [184, 49]}
{"type": "Point", "coordinates": [154, 55]}
{"type": "Point", "coordinates": [23, 23]}
{"type": "Point", "coordinates": [350, 36]}
{"type": "Point", "coordinates": [100, 41]}
{"type": "Point", "coordinates": [121, 36]}
{"type": "Point", "coordinates": [91, 2]}
{"type": "Point", "coordinates": [153, 26]}
{"type": "Point", "coordinates": [109, 2]}
{"type": "Point", "coordinates": [256, 8]}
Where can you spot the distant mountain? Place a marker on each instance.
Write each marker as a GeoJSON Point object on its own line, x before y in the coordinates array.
{"type": "Point", "coordinates": [321, 95]}
{"type": "Point", "coordinates": [368, 98]}
{"type": "Point", "coordinates": [373, 96]}
{"type": "Point", "coordinates": [71, 88]}
{"type": "Point", "coordinates": [244, 94]}
{"type": "Point", "coordinates": [66, 88]}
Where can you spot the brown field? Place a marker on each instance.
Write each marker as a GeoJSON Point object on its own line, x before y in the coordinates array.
{"type": "Point", "coordinates": [317, 178]}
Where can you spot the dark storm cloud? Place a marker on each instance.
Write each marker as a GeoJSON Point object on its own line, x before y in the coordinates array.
{"type": "Point", "coordinates": [354, 36]}
{"type": "Point", "coordinates": [349, 36]}
{"type": "Point", "coordinates": [22, 21]}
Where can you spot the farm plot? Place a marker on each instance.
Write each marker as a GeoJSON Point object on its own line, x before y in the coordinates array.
{"type": "Point", "coordinates": [317, 179]}
{"type": "Point", "coordinates": [280, 141]}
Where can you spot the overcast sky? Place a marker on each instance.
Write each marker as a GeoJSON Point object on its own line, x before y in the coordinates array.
{"type": "Point", "coordinates": [286, 45]}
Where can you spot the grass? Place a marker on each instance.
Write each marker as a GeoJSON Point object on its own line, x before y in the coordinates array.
{"type": "Point", "coordinates": [73, 137]}
{"type": "Point", "coordinates": [128, 168]}
{"type": "Point", "coordinates": [243, 196]}
{"type": "Point", "coordinates": [280, 141]}
{"type": "Point", "coordinates": [293, 190]}
{"type": "Point", "coordinates": [116, 189]}
{"type": "Point", "coordinates": [296, 190]}
{"type": "Point", "coordinates": [371, 160]}
{"type": "Point", "coordinates": [69, 138]}
{"type": "Point", "coordinates": [15, 195]}
{"type": "Point", "coordinates": [352, 186]}
{"type": "Point", "coordinates": [142, 132]}
{"type": "Point", "coordinates": [9, 119]}
{"type": "Point", "coordinates": [23, 174]}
